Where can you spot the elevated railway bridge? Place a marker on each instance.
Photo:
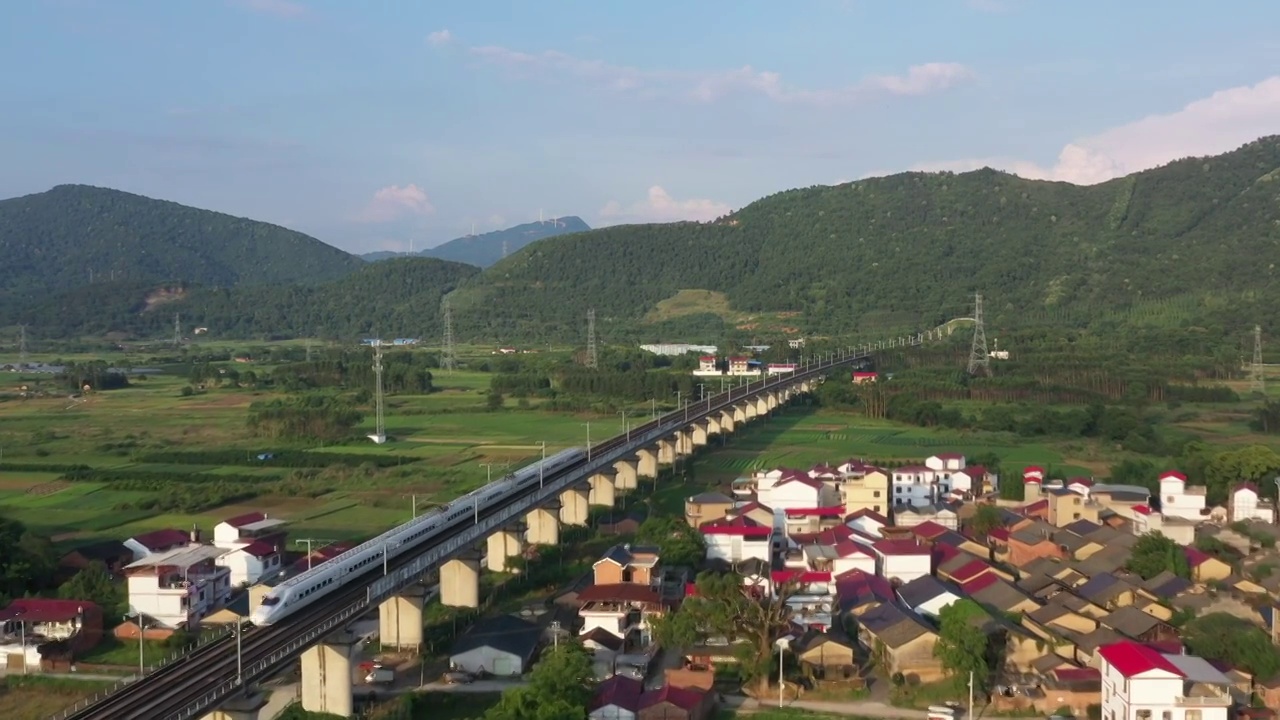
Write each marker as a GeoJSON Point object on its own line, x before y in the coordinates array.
{"type": "Point", "coordinates": [216, 679]}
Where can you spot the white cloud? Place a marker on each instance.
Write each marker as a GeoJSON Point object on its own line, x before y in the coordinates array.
{"type": "Point", "coordinates": [1219, 123]}
{"type": "Point", "coordinates": [278, 8]}
{"type": "Point", "coordinates": [394, 202]}
{"type": "Point", "coordinates": [659, 207]}
{"type": "Point", "coordinates": [707, 86]}
{"type": "Point", "coordinates": [439, 38]}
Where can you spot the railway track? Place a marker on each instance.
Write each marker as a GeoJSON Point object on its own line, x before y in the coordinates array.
{"type": "Point", "coordinates": [193, 685]}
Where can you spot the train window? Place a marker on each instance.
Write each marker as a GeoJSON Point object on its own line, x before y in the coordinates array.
{"type": "Point", "coordinates": [269, 601]}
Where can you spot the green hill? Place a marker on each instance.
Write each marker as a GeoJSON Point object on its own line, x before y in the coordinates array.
{"type": "Point", "coordinates": [52, 241]}
{"type": "Point", "coordinates": [909, 251]}
{"type": "Point", "coordinates": [398, 298]}
{"type": "Point", "coordinates": [487, 248]}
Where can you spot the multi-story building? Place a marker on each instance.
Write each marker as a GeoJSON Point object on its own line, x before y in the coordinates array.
{"type": "Point", "coordinates": [158, 541]}
{"type": "Point", "coordinates": [1141, 683]}
{"type": "Point", "coordinates": [944, 466]}
{"type": "Point", "coordinates": [866, 490]}
{"type": "Point", "coordinates": [255, 546]}
{"type": "Point", "coordinates": [1179, 500]}
{"type": "Point", "coordinates": [176, 588]}
{"type": "Point", "coordinates": [913, 485]}
{"type": "Point", "coordinates": [737, 539]}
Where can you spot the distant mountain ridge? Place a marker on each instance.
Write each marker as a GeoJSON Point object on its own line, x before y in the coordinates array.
{"type": "Point", "coordinates": [486, 249]}
{"type": "Point", "coordinates": [68, 236]}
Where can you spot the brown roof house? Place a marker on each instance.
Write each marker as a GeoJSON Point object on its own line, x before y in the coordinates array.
{"type": "Point", "coordinates": [673, 703]}
{"type": "Point", "coordinates": [706, 507]}
{"type": "Point", "coordinates": [828, 655]}
{"type": "Point", "coordinates": [898, 641]}
{"type": "Point", "coordinates": [1134, 623]}
{"type": "Point", "coordinates": [627, 564]}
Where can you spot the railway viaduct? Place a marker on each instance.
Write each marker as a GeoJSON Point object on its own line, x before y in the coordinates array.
{"type": "Point", "coordinates": [217, 680]}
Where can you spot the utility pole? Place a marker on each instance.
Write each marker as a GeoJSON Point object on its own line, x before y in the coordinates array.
{"type": "Point", "coordinates": [380, 433]}
{"type": "Point", "coordinates": [504, 249]}
{"type": "Point", "coordinates": [177, 329]}
{"type": "Point", "coordinates": [970, 715]}
{"type": "Point", "coordinates": [22, 345]}
{"type": "Point", "coordinates": [979, 358]}
{"type": "Point", "coordinates": [309, 542]}
{"type": "Point", "coordinates": [593, 360]}
{"type": "Point", "coordinates": [449, 358]}
{"type": "Point", "coordinates": [1258, 381]}
{"type": "Point", "coordinates": [488, 467]}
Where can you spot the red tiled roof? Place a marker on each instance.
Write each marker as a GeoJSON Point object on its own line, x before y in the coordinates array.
{"type": "Point", "coordinates": [1142, 509]}
{"type": "Point", "coordinates": [928, 530]}
{"type": "Point", "coordinates": [261, 549]}
{"type": "Point", "coordinates": [1173, 474]}
{"type": "Point", "coordinates": [621, 691]}
{"type": "Point", "coordinates": [1131, 659]}
{"type": "Point", "coordinates": [800, 478]}
{"type": "Point", "coordinates": [1033, 470]}
{"type": "Point", "coordinates": [824, 470]}
{"type": "Point", "coordinates": [864, 513]}
{"type": "Point", "coordinates": [619, 592]}
{"type": "Point", "coordinates": [900, 547]}
{"type": "Point", "coordinates": [30, 610]}
{"type": "Point", "coordinates": [1001, 534]}
{"type": "Point", "coordinates": [246, 519]}
{"type": "Point", "coordinates": [974, 471]}
{"type": "Point", "coordinates": [835, 511]}
{"type": "Point", "coordinates": [708, 358]}
{"type": "Point", "coordinates": [856, 583]}
{"type": "Point", "coordinates": [1087, 482]}
{"type": "Point", "coordinates": [741, 526]}
{"type": "Point", "coordinates": [753, 505]}
{"type": "Point", "coordinates": [863, 374]}
{"type": "Point", "coordinates": [849, 548]}
{"type": "Point", "coordinates": [1245, 486]}
{"type": "Point", "coordinates": [1036, 506]}
{"type": "Point", "coordinates": [1195, 556]}
{"type": "Point", "coordinates": [684, 698]}
{"type": "Point", "coordinates": [970, 570]}
{"type": "Point", "coordinates": [979, 583]}
{"type": "Point", "coordinates": [943, 553]}
{"type": "Point", "coordinates": [158, 539]}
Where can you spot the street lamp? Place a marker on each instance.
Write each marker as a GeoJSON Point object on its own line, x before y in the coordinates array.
{"type": "Point", "coordinates": [588, 439]}
{"type": "Point", "coordinates": [781, 643]}
{"type": "Point", "coordinates": [22, 628]}
{"type": "Point", "coordinates": [142, 630]}
{"type": "Point", "coordinates": [626, 425]}
{"type": "Point", "coordinates": [541, 476]}
{"type": "Point", "coordinates": [239, 653]}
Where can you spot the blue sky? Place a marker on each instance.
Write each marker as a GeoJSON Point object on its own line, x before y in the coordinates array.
{"type": "Point", "coordinates": [367, 124]}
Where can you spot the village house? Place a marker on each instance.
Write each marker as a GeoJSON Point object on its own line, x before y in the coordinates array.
{"type": "Point", "coordinates": [944, 466]}
{"type": "Point", "coordinates": [927, 596]}
{"type": "Point", "coordinates": [898, 641]}
{"type": "Point", "coordinates": [1179, 500]}
{"type": "Point", "coordinates": [1033, 540]}
{"type": "Point", "coordinates": [867, 522]}
{"type": "Point", "coordinates": [673, 703]}
{"type": "Point", "coordinates": [973, 480]}
{"type": "Point", "coordinates": [737, 539]}
{"type": "Point", "coordinates": [1141, 682]}
{"type": "Point", "coordinates": [1205, 567]}
{"type": "Point", "coordinates": [1139, 625]}
{"type": "Point", "coordinates": [1066, 507]}
{"type": "Point", "coordinates": [902, 560]}
{"type": "Point", "coordinates": [627, 564]}
{"type": "Point", "coordinates": [617, 698]}
{"type": "Point", "coordinates": [943, 514]}
{"type": "Point", "coordinates": [1245, 503]}
{"type": "Point", "coordinates": [48, 634]}
{"type": "Point", "coordinates": [827, 655]}
{"type": "Point", "coordinates": [800, 521]}
{"type": "Point", "coordinates": [864, 489]}
{"type": "Point", "coordinates": [858, 591]}
{"type": "Point", "coordinates": [792, 489]}
{"type": "Point", "coordinates": [174, 590]}
{"type": "Point", "coordinates": [622, 609]}
{"type": "Point", "coordinates": [706, 507]}
{"type": "Point", "coordinates": [111, 553]}
{"type": "Point", "coordinates": [913, 485]}
{"type": "Point", "coordinates": [158, 541]}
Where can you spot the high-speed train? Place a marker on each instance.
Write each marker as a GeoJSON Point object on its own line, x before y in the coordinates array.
{"type": "Point", "coordinates": [306, 588]}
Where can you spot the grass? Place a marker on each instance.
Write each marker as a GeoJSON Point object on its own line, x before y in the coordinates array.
{"type": "Point", "coordinates": [36, 698]}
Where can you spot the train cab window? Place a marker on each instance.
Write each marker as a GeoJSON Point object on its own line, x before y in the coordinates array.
{"type": "Point", "coordinates": [269, 601]}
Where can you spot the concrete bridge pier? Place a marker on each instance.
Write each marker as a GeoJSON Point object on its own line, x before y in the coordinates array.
{"type": "Point", "coordinates": [400, 618]}
{"type": "Point", "coordinates": [574, 505]}
{"type": "Point", "coordinates": [748, 410]}
{"type": "Point", "coordinates": [647, 463]}
{"type": "Point", "coordinates": [240, 707]}
{"type": "Point", "coordinates": [667, 451]}
{"type": "Point", "coordinates": [327, 675]}
{"type": "Point", "coordinates": [740, 414]}
{"type": "Point", "coordinates": [627, 475]}
{"type": "Point", "coordinates": [727, 421]}
{"type": "Point", "coordinates": [684, 442]}
{"type": "Point", "coordinates": [503, 545]}
{"type": "Point", "coordinates": [603, 491]}
{"type": "Point", "coordinates": [460, 581]}
{"type": "Point", "coordinates": [544, 526]}
{"type": "Point", "coordinates": [762, 406]}
{"type": "Point", "coordinates": [698, 434]}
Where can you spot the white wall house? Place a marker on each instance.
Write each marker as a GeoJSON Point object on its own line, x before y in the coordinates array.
{"type": "Point", "coordinates": [913, 485]}
{"type": "Point", "coordinates": [178, 588]}
{"type": "Point", "coordinates": [1141, 683]}
{"type": "Point", "coordinates": [853, 555]}
{"type": "Point", "coordinates": [158, 541]}
{"type": "Point", "coordinates": [250, 563]}
{"type": "Point", "coordinates": [737, 539]}
{"type": "Point", "coordinates": [244, 529]}
{"type": "Point", "coordinates": [797, 491]}
{"type": "Point", "coordinates": [1179, 500]}
{"type": "Point", "coordinates": [1245, 504]}
{"type": "Point", "coordinates": [867, 522]}
{"type": "Point", "coordinates": [903, 560]}
{"type": "Point", "coordinates": [944, 466]}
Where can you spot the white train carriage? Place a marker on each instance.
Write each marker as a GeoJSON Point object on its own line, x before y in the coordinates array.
{"type": "Point", "coordinates": [298, 592]}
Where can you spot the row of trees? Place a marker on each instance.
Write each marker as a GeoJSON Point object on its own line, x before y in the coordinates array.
{"type": "Point", "coordinates": [309, 417]}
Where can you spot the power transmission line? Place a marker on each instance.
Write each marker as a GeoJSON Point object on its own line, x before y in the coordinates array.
{"type": "Point", "coordinates": [592, 357]}
{"type": "Point", "coordinates": [979, 358]}
{"type": "Point", "coordinates": [1258, 382]}
{"type": "Point", "coordinates": [448, 358]}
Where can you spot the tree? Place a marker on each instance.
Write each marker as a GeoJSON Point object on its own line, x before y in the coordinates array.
{"type": "Point", "coordinates": [962, 645]}
{"type": "Point", "coordinates": [1154, 553]}
{"type": "Point", "coordinates": [1224, 637]}
{"type": "Point", "coordinates": [680, 544]}
{"type": "Point", "coordinates": [723, 607]}
{"type": "Point", "coordinates": [94, 584]}
{"type": "Point", "coordinates": [559, 688]}
{"type": "Point", "coordinates": [986, 519]}
{"type": "Point", "coordinates": [27, 561]}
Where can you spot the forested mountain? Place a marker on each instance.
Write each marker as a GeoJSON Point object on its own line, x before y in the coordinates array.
{"type": "Point", "coordinates": [486, 249]}
{"type": "Point", "coordinates": [911, 249]}
{"type": "Point", "coordinates": [54, 240]}
{"type": "Point", "coordinates": [398, 298]}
